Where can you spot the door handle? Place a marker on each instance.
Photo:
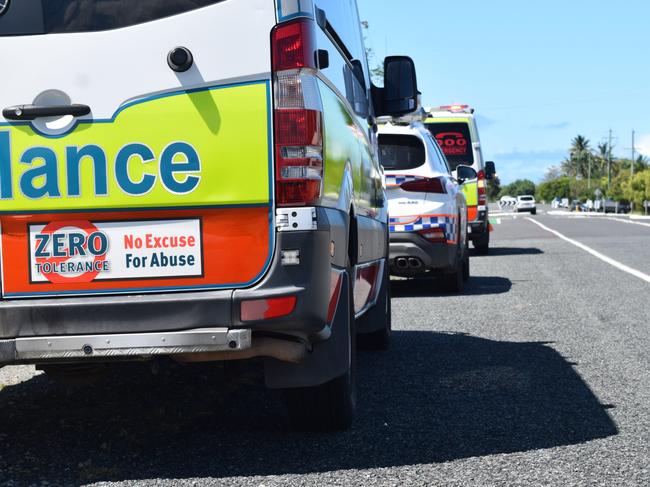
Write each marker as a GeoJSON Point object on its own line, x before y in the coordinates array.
{"type": "Point", "coordinates": [31, 112]}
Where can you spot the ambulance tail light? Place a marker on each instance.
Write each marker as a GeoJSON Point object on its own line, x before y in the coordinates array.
{"type": "Point", "coordinates": [298, 115]}
{"type": "Point", "coordinates": [482, 188]}
{"type": "Point", "coordinates": [425, 185]}
{"type": "Point", "coordinates": [294, 45]}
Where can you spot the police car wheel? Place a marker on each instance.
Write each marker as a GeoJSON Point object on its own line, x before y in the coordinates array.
{"type": "Point", "coordinates": [466, 272]}
{"type": "Point", "coordinates": [452, 282]}
{"type": "Point", "coordinates": [378, 315]}
{"type": "Point", "coordinates": [330, 406]}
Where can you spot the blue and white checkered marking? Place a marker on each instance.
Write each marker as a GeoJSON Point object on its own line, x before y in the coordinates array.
{"type": "Point", "coordinates": [447, 223]}
{"type": "Point", "coordinates": [399, 179]}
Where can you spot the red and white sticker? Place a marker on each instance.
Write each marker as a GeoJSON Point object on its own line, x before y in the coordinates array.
{"type": "Point", "coordinates": [79, 251]}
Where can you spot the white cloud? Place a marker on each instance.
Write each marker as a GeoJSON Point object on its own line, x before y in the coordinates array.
{"type": "Point", "coordinates": [643, 145]}
{"type": "Point", "coordinates": [518, 164]}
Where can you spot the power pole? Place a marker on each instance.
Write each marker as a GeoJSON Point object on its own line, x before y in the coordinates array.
{"type": "Point", "coordinates": [632, 164]}
{"type": "Point", "coordinates": [609, 159]}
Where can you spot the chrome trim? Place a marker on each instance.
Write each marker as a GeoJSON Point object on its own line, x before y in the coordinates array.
{"type": "Point", "coordinates": [132, 344]}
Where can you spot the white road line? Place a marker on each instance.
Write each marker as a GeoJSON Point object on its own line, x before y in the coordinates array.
{"type": "Point", "coordinates": [635, 219]}
{"type": "Point", "coordinates": [631, 222]}
{"type": "Point", "coordinates": [503, 214]}
{"type": "Point", "coordinates": [604, 258]}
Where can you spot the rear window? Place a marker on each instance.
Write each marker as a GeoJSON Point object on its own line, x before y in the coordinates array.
{"type": "Point", "coordinates": [398, 152]}
{"type": "Point", "coordinates": [455, 141]}
{"type": "Point", "coordinates": [526, 198]}
{"type": "Point", "coordinates": [29, 17]}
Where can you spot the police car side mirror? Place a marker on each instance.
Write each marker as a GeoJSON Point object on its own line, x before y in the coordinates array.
{"type": "Point", "coordinates": [465, 173]}
{"type": "Point", "coordinates": [400, 92]}
{"type": "Point", "coordinates": [490, 170]}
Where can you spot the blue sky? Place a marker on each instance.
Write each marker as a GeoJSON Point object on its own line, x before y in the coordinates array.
{"type": "Point", "coordinates": [538, 73]}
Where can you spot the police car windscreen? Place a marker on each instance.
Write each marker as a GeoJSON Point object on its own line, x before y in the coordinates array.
{"type": "Point", "coordinates": [28, 17]}
{"type": "Point", "coordinates": [455, 140]}
{"type": "Point", "coordinates": [397, 152]}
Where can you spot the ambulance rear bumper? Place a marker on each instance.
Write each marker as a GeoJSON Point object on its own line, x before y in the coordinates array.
{"type": "Point", "coordinates": [62, 318]}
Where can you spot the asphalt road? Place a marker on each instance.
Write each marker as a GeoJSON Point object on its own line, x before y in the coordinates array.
{"type": "Point", "coordinates": [539, 374]}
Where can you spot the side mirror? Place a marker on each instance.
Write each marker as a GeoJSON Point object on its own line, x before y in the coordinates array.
{"type": "Point", "coordinates": [400, 92]}
{"type": "Point", "coordinates": [465, 173]}
{"type": "Point", "coordinates": [490, 170]}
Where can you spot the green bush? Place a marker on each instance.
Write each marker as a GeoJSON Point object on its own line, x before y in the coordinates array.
{"type": "Point", "coordinates": [637, 189]}
{"type": "Point", "coordinates": [555, 188]}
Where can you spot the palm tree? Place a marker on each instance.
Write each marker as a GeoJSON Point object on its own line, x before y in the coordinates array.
{"type": "Point", "coordinates": [579, 162]}
{"type": "Point", "coordinates": [641, 163]}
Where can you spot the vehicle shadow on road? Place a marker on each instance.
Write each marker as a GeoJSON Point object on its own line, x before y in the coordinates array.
{"type": "Point", "coordinates": [504, 251]}
{"type": "Point", "coordinates": [475, 286]}
{"type": "Point", "coordinates": [434, 397]}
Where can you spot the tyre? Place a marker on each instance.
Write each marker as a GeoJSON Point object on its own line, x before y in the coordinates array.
{"type": "Point", "coordinates": [482, 244]}
{"type": "Point", "coordinates": [452, 282]}
{"type": "Point", "coordinates": [533, 212]}
{"type": "Point", "coordinates": [466, 272]}
{"type": "Point", "coordinates": [330, 406]}
{"type": "Point", "coordinates": [378, 315]}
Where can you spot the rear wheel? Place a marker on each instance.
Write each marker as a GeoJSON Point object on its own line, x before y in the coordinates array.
{"type": "Point", "coordinates": [330, 406]}
{"type": "Point", "coordinates": [453, 281]}
{"type": "Point", "coordinates": [533, 212]}
{"type": "Point", "coordinates": [466, 273]}
{"type": "Point", "coordinates": [482, 243]}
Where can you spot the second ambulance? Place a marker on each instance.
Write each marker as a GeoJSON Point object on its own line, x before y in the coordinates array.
{"type": "Point", "coordinates": [454, 127]}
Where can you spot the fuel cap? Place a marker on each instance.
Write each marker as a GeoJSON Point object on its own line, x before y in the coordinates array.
{"type": "Point", "coordinates": [180, 59]}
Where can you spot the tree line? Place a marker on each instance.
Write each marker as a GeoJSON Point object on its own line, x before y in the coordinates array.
{"type": "Point", "coordinates": [589, 171]}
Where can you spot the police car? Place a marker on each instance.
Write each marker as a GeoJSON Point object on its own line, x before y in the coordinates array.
{"type": "Point", "coordinates": [454, 128]}
{"type": "Point", "coordinates": [427, 208]}
{"type": "Point", "coordinates": [196, 180]}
